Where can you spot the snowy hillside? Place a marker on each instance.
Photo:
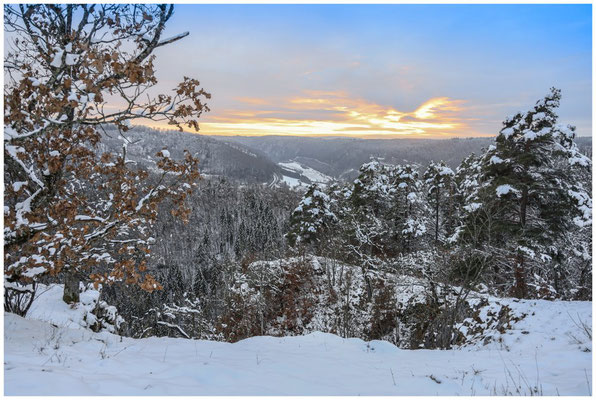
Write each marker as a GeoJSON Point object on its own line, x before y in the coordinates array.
{"type": "Point", "coordinates": [300, 175]}
{"type": "Point", "coordinates": [311, 174]}
{"type": "Point", "coordinates": [547, 352]}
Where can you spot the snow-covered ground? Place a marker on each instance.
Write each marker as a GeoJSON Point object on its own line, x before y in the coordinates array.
{"type": "Point", "coordinates": [547, 353]}
{"type": "Point", "coordinates": [311, 175]}
{"type": "Point", "coordinates": [293, 182]}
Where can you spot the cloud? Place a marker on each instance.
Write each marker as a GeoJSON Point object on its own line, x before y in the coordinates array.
{"type": "Point", "coordinates": [333, 113]}
{"type": "Point", "coordinates": [407, 65]}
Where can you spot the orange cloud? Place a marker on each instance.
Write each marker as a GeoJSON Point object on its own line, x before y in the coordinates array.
{"type": "Point", "coordinates": [337, 113]}
{"type": "Point", "coordinates": [436, 105]}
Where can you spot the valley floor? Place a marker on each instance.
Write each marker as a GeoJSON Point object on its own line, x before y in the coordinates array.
{"type": "Point", "coordinates": [546, 353]}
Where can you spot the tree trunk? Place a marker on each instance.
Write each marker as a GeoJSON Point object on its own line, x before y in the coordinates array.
{"type": "Point", "coordinates": [520, 279]}
{"type": "Point", "coordinates": [71, 288]}
{"type": "Point", "coordinates": [437, 219]}
{"type": "Point", "coordinates": [368, 288]}
{"type": "Point", "coordinates": [523, 205]}
{"type": "Point", "coordinates": [520, 290]}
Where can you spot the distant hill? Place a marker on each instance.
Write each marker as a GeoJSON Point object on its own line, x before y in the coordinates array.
{"type": "Point", "coordinates": [341, 157]}
{"type": "Point", "coordinates": [292, 159]}
{"type": "Point", "coordinates": [216, 157]}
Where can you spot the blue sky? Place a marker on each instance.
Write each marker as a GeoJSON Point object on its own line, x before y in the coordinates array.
{"type": "Point", "coordinates": [383, 70]}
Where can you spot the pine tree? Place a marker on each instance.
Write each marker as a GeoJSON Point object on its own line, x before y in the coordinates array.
{"type": "Point", "coordinates": [311, 219]}
{"type": "Point", "coordinates": [466, 181]}
{"type": "Point", "coordinates": [366, 223]}
{"type": "Point", "coordinates": [368, 205]}
{"type": "Point", "coordinates": [439, 182]}
{"type": "Point", "coordinates": [408, 211]}
{"type": "Point", "coordinates": [529, 181]}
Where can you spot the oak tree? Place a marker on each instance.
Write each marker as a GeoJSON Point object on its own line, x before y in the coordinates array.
{"type": "Point", "coordinates": [70, 71]}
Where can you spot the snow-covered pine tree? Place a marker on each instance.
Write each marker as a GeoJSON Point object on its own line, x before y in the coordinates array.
{"type": "Point", "coordinates": [338, 236]}
{"type": "Point", "coordinates": [439, 184]}
{"type": "Point", "coordinates": [66, 209]}
{"type": "Point", "coordinates": [529, 180]}
{"type": "Point", "coordinates": [466, 181]}
{"type": "Point", "coordinates": [408, 212]}
{"type": "Point", "coordinates": [368, 205]}
{"type": "Point", "coordinates": [366, 222]}
{"type": "Point", "coordinates": [311, 218]}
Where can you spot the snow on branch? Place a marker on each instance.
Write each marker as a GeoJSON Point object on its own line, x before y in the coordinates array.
{"type": "Point", "coordinates": [174, 326]}
{"type": "Point", "coordinates": [172, 39]}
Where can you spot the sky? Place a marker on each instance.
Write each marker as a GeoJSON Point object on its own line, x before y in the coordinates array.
{"type": "Point", "coordinates": [380, 70]}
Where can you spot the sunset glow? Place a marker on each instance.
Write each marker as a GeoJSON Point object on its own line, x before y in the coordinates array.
{"type": "Point", "coordinates": [379, 71]}
{"type": "Point", "coordinates": [337, 113]}
{"type": "Point", "coordinates": [320, 113]}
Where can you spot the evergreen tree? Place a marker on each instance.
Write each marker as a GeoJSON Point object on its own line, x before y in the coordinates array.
{"type": "Point", "coordinates": [370, 202]}
{"type": "Point", "coordinates": [408, 213]}
{"type": "Point", "coordinates": [466, 181]}
{"type": "Point", "coordinates": [439, 181]}
{"type": "Point", "coordinates": [367, 225]}
{"type": "Point", "coordinates": [529, 180]}
{"type": "Point", "coordinates": [311, 218]}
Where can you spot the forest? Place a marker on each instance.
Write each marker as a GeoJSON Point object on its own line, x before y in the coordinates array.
{"type": "Point", "coordinates": [392, 255]}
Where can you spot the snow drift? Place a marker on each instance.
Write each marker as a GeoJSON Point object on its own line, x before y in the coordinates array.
{"type": "Point", "coordinates": [547, 352]}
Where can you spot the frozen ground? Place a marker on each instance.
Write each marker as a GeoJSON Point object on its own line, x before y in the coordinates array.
{"type": "Point", "coordinates": [546, 353]}
{"type": "Point", "coordinates": [311, 174]}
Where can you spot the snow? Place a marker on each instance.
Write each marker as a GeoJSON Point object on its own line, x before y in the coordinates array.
{"type": "Point", "coordinates": [472, 207]}
{"type": "Point", "coordinates": [580, 159]}
{"type": "Point", "coordinates": [496, 160]}
{"type": "Point", "coordinates": [532, 135]}
{"type": "Point", "coordinates": [566, 130]}
{"type": "Point", "coordinates": [34, 82]}
{"type": "Point", "coordinates": [527, 251]}
{"type": "Point", "coordinates": [173, 38]}
{"type": "Point", "coordinates": [446, 171]}
{"type": "Point", "coordinates": [584, 205]}
{"type": "Point", "coordinates": [18, 185]}
{"type": "Point", "coordinates": [72, 59]}
{"type": "Point", "coordinates": [57, 60]}
{"type": "Point", "coordinates": [309, 173]}
{"type": "Point", "coordinates": [48, 307]}
{"type": "Point", "coordinates": [544, 353]}
{"type": "Point", "coordinates": [165, 153]}
{"type": "Point", "coordinates": [507, 132]}
{"type": "Point", "coordinates": [321, 195]}
{"type": "Point", "coordinates": [291, 182]}
{"type": "Point", "coordinates": [31, 272]}
{"type": "Point", "coordinates": [505, 189]}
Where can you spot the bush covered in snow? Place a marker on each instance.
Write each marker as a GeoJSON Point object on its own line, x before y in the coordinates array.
{"type": "Point", "coordinates": [90, 313]}
{"type": "Point", "coordinates": [301, 295]}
